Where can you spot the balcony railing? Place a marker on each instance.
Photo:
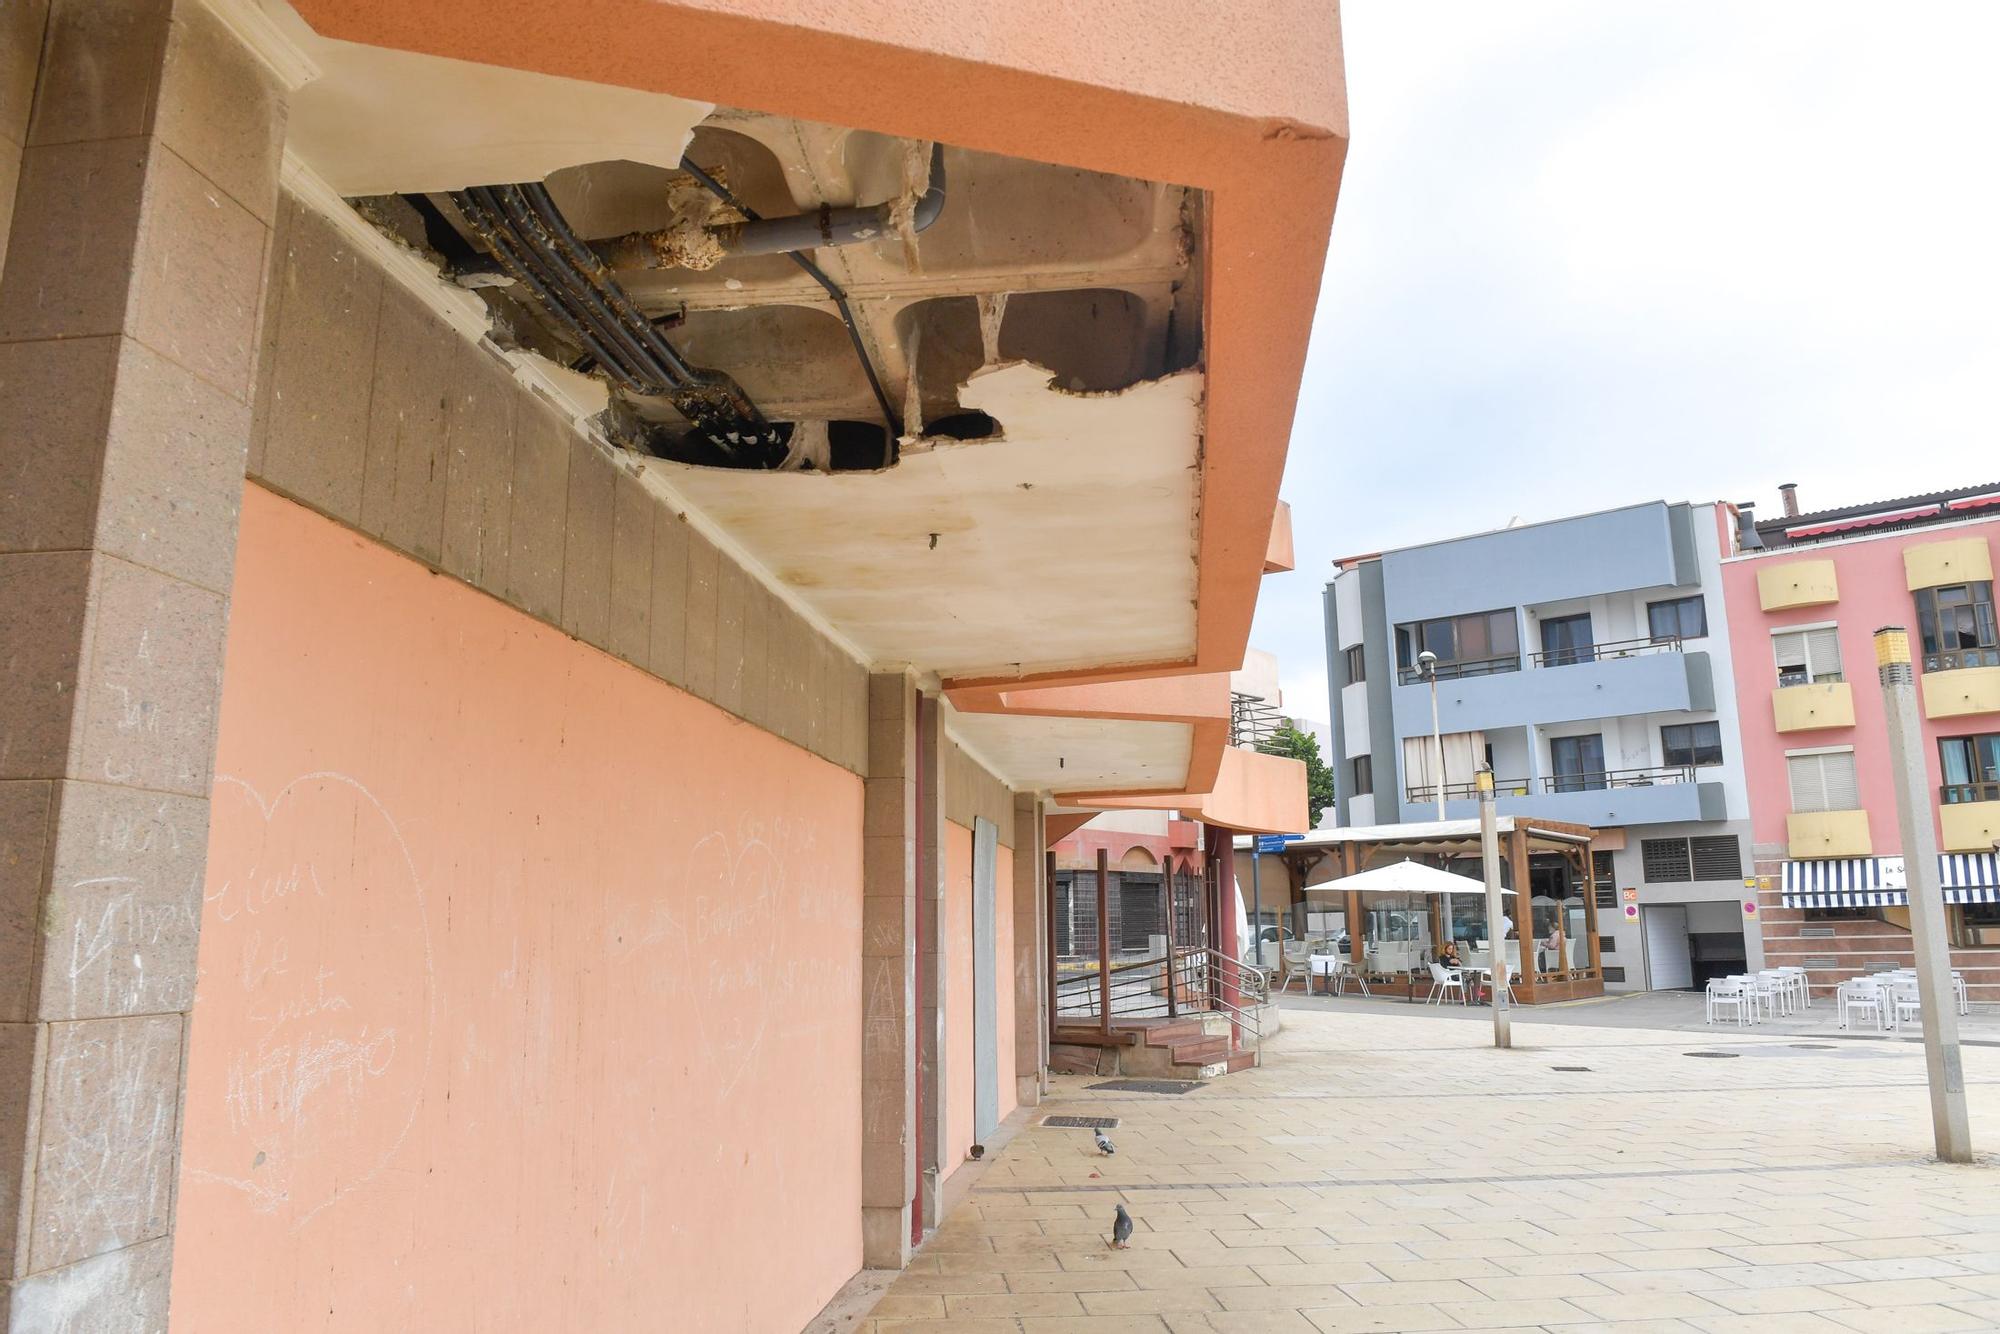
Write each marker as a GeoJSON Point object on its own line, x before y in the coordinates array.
{"type": "Point", "coordinates": [1599, 780]}
{"type": "Point", "coordinates": [1617, 648]}
{"type": "Point", "coordinates": [1953, 659]}
{"type": "Point", "coordinates": [1506, 787]}
{"type": "Point", "coordinates": [1953, 794]}
{"type": "Point", "coordinates": [1451, 671]}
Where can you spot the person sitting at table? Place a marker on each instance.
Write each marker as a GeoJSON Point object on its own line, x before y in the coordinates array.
{"type": "Point", "coordinates": [1558, 948]}
{"type": "Point", "coordinates": [1448, 955]}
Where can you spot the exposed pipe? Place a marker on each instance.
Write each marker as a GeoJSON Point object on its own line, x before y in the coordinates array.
{"type": "Point", "coordinates": [818, 275]}
{"type": "Point", "coordinates": [527, 235]}
{"type": "Point", "coordinates": [756, 235]}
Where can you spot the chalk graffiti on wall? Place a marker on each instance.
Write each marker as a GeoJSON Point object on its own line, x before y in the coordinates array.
{"type": "Point", "coordinates": [325, 1082]}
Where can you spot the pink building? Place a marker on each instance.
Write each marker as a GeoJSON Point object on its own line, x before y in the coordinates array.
{"type": "Point", "coordinates": [1805, 594]}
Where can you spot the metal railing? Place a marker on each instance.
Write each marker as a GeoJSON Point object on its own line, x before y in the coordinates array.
{"type": "Point", "coordinates": [1451, 671]}
{"type": "Point", "coordinates": [1195, 980]}
{"type": "Point", "coordinates": [1601, 779]}
{"type": "Point", "coordinates": [1617, 648]}
{"type": "Point", "coordinates": [1253, 720]}
{"type": "Point", "coordinates": [1506, 787]}
{"type": "Point", "coordinates": [1953, 794]}
{"type": "Point", "coordinates": [1952, 659]}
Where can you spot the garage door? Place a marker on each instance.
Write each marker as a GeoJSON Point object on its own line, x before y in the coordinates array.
{"type": "Point", "coordinates": [1668, 967]}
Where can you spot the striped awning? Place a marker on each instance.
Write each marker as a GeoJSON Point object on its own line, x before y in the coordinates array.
{"type": "Point", "coordinates": [1883, 882]}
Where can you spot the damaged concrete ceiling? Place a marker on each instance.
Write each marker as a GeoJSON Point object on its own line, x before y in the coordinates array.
{"type": "Point", "coordinates": [985, 428]}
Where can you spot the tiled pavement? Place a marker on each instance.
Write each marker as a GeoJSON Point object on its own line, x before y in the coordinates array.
{"type": "Point", "coordinates": [1392, 1172]}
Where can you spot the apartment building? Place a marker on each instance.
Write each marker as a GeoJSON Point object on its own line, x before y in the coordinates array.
{"type": "Point", "coordinates": [1805, 594]}
{"type": "Point", "coordinates": [1586, 660]}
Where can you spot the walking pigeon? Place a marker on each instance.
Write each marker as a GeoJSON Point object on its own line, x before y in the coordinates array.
{"type": "Point", "coordinates": [1104, 1144]}
{"type": "Point", "coordinates": [1121, 1230]}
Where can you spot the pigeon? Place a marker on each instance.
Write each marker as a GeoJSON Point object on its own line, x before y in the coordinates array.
{"type": "Point", "coordinates": [1121, 1230]}
{"type": "Point", "coordinates": [1104, 1144]}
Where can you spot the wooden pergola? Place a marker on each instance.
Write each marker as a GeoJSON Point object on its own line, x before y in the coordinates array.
{"type": "Point", "coordinates": [1326, 854]}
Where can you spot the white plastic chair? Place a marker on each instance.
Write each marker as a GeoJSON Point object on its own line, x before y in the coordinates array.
{"type": "Point", "coordinates": [1800, 983]}
{"type": "Point", "coordinates": [1292, 957]}
{"type": "Point", "coordinates": [1730, 994]}
{"type": "Point", "coordinates": [1909, 1005]}
{"type": "Point", "coordinates": [1776, 989]}
{"type": "Point", "coordinates": [1860, 995]}
{"type": "Point", "coordinates": [1958, 990]}
{"type": "Point", "coordinates": [1344, 972]}
{"type": "Point", "coordinates": [1445, 981]}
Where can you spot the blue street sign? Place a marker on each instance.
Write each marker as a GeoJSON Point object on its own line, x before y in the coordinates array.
{"type": "Point", "coordinates": [1276, 842]}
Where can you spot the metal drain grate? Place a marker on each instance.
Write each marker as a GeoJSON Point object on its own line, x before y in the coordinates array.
{"type": "Point", "coordinates": [1714, 1055]}
{"type": "Point", "coordinates": [1149, 1086]}
{"type": "Point", "coordinates": [1572, 1069]}
{"type": "Point", "coordinates": [1081, 1122]}
{"type": "Point", "coordinates": [1814, 1046]}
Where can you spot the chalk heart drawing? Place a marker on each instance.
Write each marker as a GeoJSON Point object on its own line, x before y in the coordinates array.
{"type": "Point", "coordinates": [734, 890]}
{"type": "Point", "coordinates": [316, 953]}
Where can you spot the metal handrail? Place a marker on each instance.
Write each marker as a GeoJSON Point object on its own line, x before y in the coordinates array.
{"type": "Point", "coordinates": [1616, 648]}
{"type": "Point", "coordinates": [1451, 671]}
{"type": "Point", "coordinates": [1598, 780]}
{"type": "Point", "coordinates": [1464, 791]}
{"type": "Point", "coordinates": [1953, 794]}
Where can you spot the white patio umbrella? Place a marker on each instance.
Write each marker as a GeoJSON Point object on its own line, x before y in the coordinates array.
{"type": "Point", "coordinates": [1405, 877]}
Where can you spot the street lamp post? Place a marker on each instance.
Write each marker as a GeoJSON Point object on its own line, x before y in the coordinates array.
{"type": "Point", "coordinates": [1489, 856]}
{"type": "Point", "coordinates": [1942, 1059]}
{"type": "Point", "coordinates": [1427, 663]}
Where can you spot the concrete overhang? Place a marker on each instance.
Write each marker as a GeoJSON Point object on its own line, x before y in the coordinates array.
{"type": "Point", "coordinates": [1253, 793]}
{"type": "Point", "coordinates": [1247, 107]}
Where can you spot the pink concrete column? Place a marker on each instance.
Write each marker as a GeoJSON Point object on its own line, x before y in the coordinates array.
{"type": "Point", "coordinates": [128, 337]}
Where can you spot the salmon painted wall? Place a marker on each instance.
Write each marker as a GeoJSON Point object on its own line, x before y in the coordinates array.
{"type": "Point", "coordinates": [958, 1046]}
{"type": "Point", "coordinates": [530, 990]}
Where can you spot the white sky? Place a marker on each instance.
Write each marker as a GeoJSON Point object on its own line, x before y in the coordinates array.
{"type": "Point", "coordinates": [1593, 253]}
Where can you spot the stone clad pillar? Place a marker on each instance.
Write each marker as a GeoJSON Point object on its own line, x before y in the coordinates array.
{"type": "Point", "coordinates": [1031, 942]}
{"type": "Point", "coordinates": [888, 972]}
{"type": "Point", "coordinates": [934, 998]}
{"type": "Point", "coordinates": [128, 337]}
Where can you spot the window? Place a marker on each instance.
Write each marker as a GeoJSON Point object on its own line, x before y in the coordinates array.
{"type": "Point", "coordinates": [1357, 664]}
{"type": "Point", "coordinates": [1956, 624]}
{"type": "Point", "coordinates": [1471, 645]}
{"type": "Point", "coordinates": [1604, 880]}
{"type": "Point", "coordinates": [1687, 745]}
{"type": "Point", "coordinates": [1566, 639]}
{"type": "Point", "coordinates": [1716, 857]}
{"type": "Point", "coordinates": [1578, 762]}
{"type": "Point", "coordinates": [1677, 618]}
{"type": "Point", "coordinates": [1677, 860]}
{"type": "Point", "coordinates": [1974, 924]}
{"type": "Point", "coordinates": [1807, 657]}
{"type": "Point", "coordinates": [1364, 776]}
{"type": "Point", "coordinates": [1971, 768]}
{"type": "Point", "coordinates": [1665, 860]}
{"type": "Point", "coordinates": [1822, 780]}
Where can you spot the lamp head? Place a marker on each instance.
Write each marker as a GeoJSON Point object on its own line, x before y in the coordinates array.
{"type": "Point", "coordinates": [1427, 660]}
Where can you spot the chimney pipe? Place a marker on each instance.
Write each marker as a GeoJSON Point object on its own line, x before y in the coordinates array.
{"type": "Point", "coordinates": [1790, 491]}
{"type": "Point", "coordinates": [1746, 528]}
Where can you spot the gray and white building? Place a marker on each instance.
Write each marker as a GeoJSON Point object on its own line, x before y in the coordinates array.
{"type": "Point", "coordinates": [1586, 659]}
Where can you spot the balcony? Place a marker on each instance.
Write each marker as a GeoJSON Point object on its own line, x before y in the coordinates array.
{"type": "Point", "coordinates": [1811, 834]}
{"type": "Point", "coordinates": [1567, 685]}
{"type": "Point", "coordinates": [1960, 683]}
{"type": "Point", "coordinates": [1658, 795]}
{"type": "Point", "coordinates": [1452, 671]}
{"type": "Point", "coordinates": [1937, 564]}
{"type": "Point", "coordinates": [1810, 708]}
{"type": "Point", "coordinates": [1969, 814]}
{"type": "Point", "coordinates": [1798, 583]}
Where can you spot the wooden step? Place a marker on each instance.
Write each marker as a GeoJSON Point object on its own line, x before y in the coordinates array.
{"type": "Point", "coordinates": [1174, 1033]}
{"type": "Point", "coordinates": [1241, 1060]}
